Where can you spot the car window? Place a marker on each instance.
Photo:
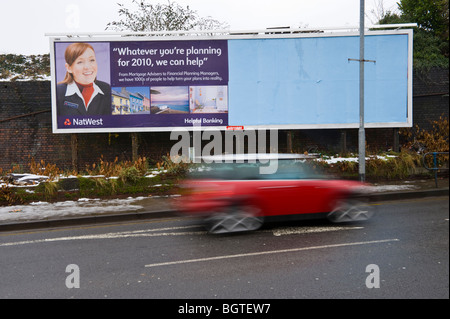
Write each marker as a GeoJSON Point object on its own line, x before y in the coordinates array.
{"type": "Point", "coordinates": [292, 169]}
{"type": "Point", "coordinates": [286, 169]}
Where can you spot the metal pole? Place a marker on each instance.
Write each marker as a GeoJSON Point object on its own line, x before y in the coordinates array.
{"type": "Point", "coordinates": [361, 132]}
{"type": "Point", "coordinates": [435, 168]}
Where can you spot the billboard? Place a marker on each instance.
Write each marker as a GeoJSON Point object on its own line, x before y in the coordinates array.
{"type": "Point", "coordinates": [283, 81]}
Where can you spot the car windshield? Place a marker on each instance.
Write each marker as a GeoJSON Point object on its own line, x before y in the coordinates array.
{"type": "Point", "coordinates": [285, 169]}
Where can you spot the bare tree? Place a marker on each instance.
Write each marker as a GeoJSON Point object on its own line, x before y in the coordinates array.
{"type": "Point", "coordinates": [162, 17]}
{"type": "Point", "coordinates": [379, 12]}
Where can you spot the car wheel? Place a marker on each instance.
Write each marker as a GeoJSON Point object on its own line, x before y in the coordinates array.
{"type": "Point", "coordinates": [235, 219]}
{"type": "Point", "coordinates": [350, 210]}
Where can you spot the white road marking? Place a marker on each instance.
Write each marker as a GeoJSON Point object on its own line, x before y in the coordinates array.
{"type": "Point", "coordinates": [137, 233]}
{"type": "Point", "coordinates": [169, 231]}
{"type": "Point", "coordinates": [309, 230]}
{"type": "Point", "coordinates": [269, 252]}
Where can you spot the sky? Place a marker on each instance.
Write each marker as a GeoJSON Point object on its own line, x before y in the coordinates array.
{"type": "Point", "coordinates": [25, 23]}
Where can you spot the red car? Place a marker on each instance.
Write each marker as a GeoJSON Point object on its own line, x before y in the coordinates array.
{"type": "Point", "coordinates": [239, 192]}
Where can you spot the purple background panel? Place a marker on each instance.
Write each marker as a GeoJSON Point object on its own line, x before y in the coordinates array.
{"type": "Point", "coordinates": [148, 120]}
{"type": "Point", "coordinates": [135, 63]}
{"type": "Point", "coordinates": [101, 52]}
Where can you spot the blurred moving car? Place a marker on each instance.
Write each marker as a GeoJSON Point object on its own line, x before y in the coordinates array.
{"type": "Point", "coordinates": [240, 192]}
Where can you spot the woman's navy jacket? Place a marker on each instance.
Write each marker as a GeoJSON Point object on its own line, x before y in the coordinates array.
{"type": "Point", "coordinates": [73, 105]}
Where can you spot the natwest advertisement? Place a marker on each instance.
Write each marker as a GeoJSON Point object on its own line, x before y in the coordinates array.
{"type": "Point", "coordinates": [128, 85]}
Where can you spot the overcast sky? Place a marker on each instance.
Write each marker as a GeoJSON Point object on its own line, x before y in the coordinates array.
{"type": "Point", "coordinates": [23, 23]}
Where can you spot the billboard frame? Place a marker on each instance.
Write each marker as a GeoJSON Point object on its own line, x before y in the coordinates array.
{"type": "Point", "coordinates": [281, 33]}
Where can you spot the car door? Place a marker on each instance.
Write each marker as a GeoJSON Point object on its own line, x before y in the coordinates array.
{"type": "Point", "coordinates": [291, 189]}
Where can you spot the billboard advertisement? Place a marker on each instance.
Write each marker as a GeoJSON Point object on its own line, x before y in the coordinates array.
{"type": "Point", "coordinates": [132, 84]}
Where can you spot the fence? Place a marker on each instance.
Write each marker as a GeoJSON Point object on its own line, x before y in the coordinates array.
{"type": "Point", "coordinates": [436, 166]}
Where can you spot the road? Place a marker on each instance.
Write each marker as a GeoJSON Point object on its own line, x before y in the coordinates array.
{"type": "Point", "coordinates": [403, 252]}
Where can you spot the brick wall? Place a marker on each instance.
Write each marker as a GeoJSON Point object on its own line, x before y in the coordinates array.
{"type": "Point", "coordinates": [430, 97]}
{"type": "Point", "coordinates": [26, 128]}
{"type": "Point", "coordinates": [22, 137]}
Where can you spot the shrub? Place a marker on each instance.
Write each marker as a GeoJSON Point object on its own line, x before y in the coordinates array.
{"type": "Point", "coordinates": [45, 169]}
{"type": "Point", "coordinates": [130, 175]}
{"type": "Point", "coordinates": [397, 167]}
{"type": "Point", "coordinates": [115, 168]}
{"type": "Point", "coordinates": [50, 189]}
{"type": "Point", "coordinates": [8, 195]}
{"type": "Point", "coordinates": [434, 140]}
{"type": "Point", "coordinates": [177, 169]}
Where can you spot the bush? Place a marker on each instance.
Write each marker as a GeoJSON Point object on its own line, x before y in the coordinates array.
{"type": "Point", "coordinates": [129, 175]}
{"type": "Point", "coordinates": [434, 140]}
{"type": "Point", "coordinates": [8, 196]}
{"type": "Point", "coordinates": [177, 169]}
{"type": "Point", "coordinates": [397, 167]}
{"type": "Point", "coordinates": [45, 169]}
{"type": "Point", "coordinates": [426, 141]}
{"type": "Point", "coordinates": [115, 168]}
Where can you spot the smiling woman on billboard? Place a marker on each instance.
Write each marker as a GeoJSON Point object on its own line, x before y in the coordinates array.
{"type": "Point", "coordinates": [80, 93]}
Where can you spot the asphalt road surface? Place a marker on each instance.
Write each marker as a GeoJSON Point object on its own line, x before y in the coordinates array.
{"type": "Point", "coordinates": [403, 252]}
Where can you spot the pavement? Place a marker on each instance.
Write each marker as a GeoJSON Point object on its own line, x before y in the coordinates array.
{"type": "Point", "coordinates": [96, 211]}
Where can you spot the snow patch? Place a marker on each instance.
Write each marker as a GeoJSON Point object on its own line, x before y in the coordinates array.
{"type": "Point", "coordinates": [84, 206]}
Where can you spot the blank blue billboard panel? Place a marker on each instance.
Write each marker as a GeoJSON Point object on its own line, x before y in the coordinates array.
{"type": "Point", "coordinates": [310, 82]}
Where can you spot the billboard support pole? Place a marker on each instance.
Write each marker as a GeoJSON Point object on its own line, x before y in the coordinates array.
{"type": "Point", "coordinates": [289, 141]}
{"type": "Point", "coordinates": [361, 132]}
{"type": "Point", "coordinates": [134, 146]}
{"type": "Point", "coordinates": [74, 149]}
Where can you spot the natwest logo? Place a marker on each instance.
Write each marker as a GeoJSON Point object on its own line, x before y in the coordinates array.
{"type": "Point", "coordinates": [83, 122]}
{"type": "Point", "coordinates": [88, 121]}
